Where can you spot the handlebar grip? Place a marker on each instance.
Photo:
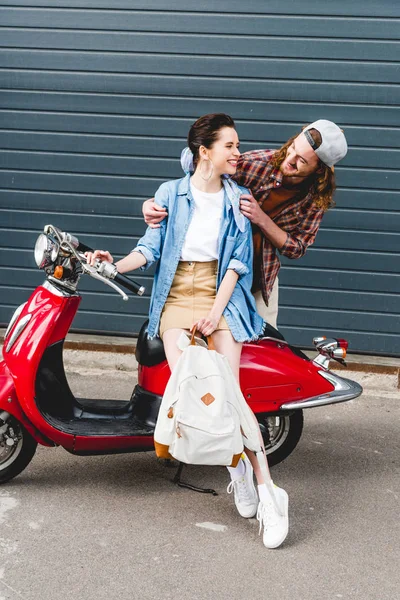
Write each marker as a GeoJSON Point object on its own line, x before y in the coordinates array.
{"type": "Point", "coordinates": [129, 284]}
{"type": "Point", "coordinates": [83, 248]}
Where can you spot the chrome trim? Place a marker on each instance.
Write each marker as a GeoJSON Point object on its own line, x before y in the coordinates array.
{"type": "Point", "coordinates": [345, 390]}
{"type": "Point", "coordinates": [46, 250]}
{"type": "Point", "coordinates": [268, 337]}
{"type": "Point", "coordinates": [106, 269]}
{"type": "Point", "coordinates": [92, 271]}
{"type": "Point", "coordinates": [18, 329]}
{"type": "Point", "coordinates": [55, 290]}
{"type": "Point", "coordinates": [322, 361]}
{"type": "Point", "coordinates": [4, 416]}
{"type": "Point", "coordinates": [69, 287]}
{"type": "Point", "coordinates": [15, 316]}
{"type": "Point", "coordinates": [319, 339]}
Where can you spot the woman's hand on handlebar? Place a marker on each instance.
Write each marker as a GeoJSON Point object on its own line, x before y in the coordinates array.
{"type": "Point", "coordinates": [153, 213]}
{"type": "Point", "coordinates": [101, 255]}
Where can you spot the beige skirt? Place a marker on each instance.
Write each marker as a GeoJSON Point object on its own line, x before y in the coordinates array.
{"type": "Point", "coordinates": [191, 296]}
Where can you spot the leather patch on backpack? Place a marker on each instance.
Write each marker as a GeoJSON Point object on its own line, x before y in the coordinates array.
{"type": "Point", "coordinates": [208, 399]}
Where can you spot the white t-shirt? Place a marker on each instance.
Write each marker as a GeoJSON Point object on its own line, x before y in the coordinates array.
{"type": "Point", "coordinates": [201, 241]}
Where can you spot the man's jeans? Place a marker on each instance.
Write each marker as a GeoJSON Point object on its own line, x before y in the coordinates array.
{"type": "Point", "coordinates": [268, 313]}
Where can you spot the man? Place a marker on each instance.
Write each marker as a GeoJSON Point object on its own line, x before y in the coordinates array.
{"type": "Point", "coordinates": [291, 189]}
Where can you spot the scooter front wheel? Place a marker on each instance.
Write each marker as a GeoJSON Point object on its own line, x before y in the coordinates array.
{"type": "Point", "coordinates": [17, 448]}
{"type": "Point", "coordinates": [281, 434]}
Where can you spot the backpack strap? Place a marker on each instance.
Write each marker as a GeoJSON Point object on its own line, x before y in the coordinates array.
{"type": "Point", "coordinates": [210, 341]}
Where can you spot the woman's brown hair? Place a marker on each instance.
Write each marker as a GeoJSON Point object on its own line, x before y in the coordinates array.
{"type": "Point", "coordinates": [204, 132]}
{"type": "Point", "coordinates": [323, 185]}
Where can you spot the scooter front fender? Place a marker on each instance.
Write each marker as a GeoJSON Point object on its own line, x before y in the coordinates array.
{"type": "Point", "coordinates": [9, 403]}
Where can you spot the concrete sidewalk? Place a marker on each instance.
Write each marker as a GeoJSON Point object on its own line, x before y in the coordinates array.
{"type": "Point", "coordinates": [115, 527]}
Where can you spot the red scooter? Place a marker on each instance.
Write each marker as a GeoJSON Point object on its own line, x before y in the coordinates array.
{"type": "Point", "coordinates": [38, 407]}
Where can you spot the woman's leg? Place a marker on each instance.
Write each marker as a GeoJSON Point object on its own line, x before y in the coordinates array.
{"type": "Point", "coordinates": [226, 345]}
{"type": "Point", "coordinates": [272, 513]}
{"type": "Point", "coordinates": [171, 349]}
{"type": "Point", "coordinates": [242, 484]}
{"type": "Point", "coordinates": [253, 459]}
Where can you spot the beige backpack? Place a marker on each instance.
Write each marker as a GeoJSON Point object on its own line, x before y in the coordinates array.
{"type": "Point", "coordinates": [203, 412]}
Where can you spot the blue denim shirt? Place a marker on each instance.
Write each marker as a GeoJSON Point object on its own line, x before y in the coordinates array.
{"type": "Point", "coordinates": [235, 251]}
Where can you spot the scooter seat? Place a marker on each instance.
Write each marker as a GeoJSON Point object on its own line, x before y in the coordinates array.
{"type": "Point", "coordinates": [271, 332]}
{"type": "Point", "coordinates": [149, 352]}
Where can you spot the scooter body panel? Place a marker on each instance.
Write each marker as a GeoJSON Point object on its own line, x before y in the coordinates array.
{"type": "Point", "coordinates": [154, 379]}
{"type": "Point", "coordinates": [50, 319]}
{"type": "Point", "coordinates": [271, 374]}
{"type": "Point", "coordinates": [113, 444]}
{"type": "Point", "coordinates": [9, 403]}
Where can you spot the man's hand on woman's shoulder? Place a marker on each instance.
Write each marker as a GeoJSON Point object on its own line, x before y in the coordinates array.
{"type": "Point", "coordinates": [153, 213]}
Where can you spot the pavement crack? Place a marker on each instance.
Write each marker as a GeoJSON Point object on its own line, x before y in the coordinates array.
{"type": "Point", "coordinates": [12, 589]}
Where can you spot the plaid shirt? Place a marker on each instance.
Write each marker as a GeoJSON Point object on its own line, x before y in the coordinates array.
{"type": "Point", "coordinates": [300, 219]}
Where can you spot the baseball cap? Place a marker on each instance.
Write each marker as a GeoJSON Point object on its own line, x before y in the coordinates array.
{"type": "Point", "coordinates": [333, 147]}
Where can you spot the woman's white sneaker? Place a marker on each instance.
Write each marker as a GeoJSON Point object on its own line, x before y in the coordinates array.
{"type": "Point", "coordinates": [246, 497]}
{"type": "Point", "coordinates": [274, 523]}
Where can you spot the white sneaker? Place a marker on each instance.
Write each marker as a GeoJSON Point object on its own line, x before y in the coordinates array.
{"type": "Point", "coordinates": [246, 497]}
{"type": "Point", "coordinates": [276, 526]}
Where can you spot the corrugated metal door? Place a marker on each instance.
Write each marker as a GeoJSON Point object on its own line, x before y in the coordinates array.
{"type": "Point", "coordinates": [96, 100]}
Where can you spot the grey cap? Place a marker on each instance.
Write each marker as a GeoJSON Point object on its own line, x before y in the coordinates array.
{"type": "Point", "coordinates": [334, 145]}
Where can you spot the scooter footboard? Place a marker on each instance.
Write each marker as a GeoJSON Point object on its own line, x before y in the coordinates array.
{"type": "Point", "coordinates": [10, 404]}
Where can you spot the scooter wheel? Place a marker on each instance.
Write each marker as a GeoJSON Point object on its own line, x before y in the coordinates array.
{"type": "Point", "coordinates": [17, 448]}
{"type": "Point", "coordinates": [281, 434]}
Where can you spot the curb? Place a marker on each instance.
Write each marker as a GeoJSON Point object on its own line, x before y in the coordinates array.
{"type": "Point", "coordinates": [120, 348]}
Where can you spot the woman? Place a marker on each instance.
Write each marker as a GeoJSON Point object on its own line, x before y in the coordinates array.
{"type": "Point", "coordinates": [203, 280]}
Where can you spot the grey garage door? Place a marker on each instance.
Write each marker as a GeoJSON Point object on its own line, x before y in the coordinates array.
{"type": "Point", "coordinates": [95, 103]}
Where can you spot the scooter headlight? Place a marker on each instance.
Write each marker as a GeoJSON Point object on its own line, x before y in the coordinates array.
{"type": "Point", "coordinates": [46, 251]}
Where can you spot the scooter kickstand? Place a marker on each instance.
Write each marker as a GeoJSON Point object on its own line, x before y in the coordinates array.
{"type": "Point", "coordinates": [194, 488]}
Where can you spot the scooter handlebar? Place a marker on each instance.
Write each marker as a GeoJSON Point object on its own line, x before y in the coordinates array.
{"type": "Point", "coordinates": [108, 272]}
{"type": "Point", "coordinates": [83, 248]}
{"type": "Point", "coordinates": [129, 284]}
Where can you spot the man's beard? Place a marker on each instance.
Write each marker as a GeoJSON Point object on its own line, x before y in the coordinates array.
{"type": "Point", "coordinates": [298, 180]}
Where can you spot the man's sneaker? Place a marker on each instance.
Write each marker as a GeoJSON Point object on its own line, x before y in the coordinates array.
{"type": "Point", "coordinates": [276, 526]}
{"type": "Point", "coordinates": [246, 497]}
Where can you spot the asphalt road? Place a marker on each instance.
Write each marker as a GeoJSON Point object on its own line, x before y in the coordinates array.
{"type": "Point", "coordinates": [115, 527]}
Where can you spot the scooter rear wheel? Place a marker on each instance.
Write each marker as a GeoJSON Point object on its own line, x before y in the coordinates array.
{"type": "Point", "coordinates": [17, 448]}
{"type": "Point", "coordinates": [281, 434]}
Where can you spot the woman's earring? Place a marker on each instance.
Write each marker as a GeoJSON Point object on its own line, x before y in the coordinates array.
{"type": "Point", "coordinates": [211, 172]}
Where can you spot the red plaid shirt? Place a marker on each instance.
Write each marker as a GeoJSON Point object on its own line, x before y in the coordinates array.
{"type": "Point", "coordinates": [300, 219]}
